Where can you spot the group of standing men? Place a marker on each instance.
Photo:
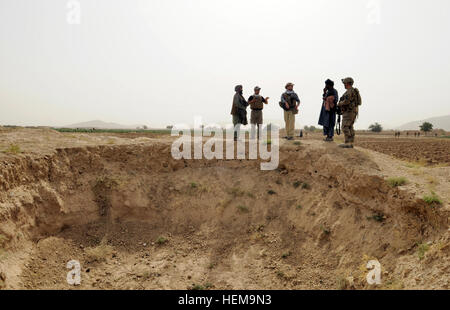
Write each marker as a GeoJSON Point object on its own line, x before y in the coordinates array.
{"type": "Point", "coordinates": [347, 106]}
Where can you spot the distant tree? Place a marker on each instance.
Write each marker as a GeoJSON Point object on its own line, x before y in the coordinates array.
{"type": "Point", "coordinates": [310, 128]}
{"type": "Point", "coordinates": [376, 127]}
{"type": "Point", "coordinates": [426, 127]}
{"type": "Point", "coordinates": [169, 127]}
{"type": "Point", "coordinates": [145, 127]}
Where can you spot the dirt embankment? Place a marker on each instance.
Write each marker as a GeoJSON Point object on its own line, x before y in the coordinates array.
{"type": "Point", "coordinates": [135, 218]}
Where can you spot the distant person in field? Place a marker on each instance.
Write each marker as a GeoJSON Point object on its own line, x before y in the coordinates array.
{"type": "Point", "coordinates": [257, 102]}
{"type": "Point", "coordinates": [327, 117]}
{"type": "Point", "coordinates": [239, 110]}
{"type": "Point", "coordinates": [349, 105]}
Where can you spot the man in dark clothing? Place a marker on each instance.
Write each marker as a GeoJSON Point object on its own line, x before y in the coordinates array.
{"type": "Point", "coordinates": [328, 113]}
{"type": "Point", "coordinates": [239, 110]}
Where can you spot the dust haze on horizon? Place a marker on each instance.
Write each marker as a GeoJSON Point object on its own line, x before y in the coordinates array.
{"type": "Point", "coordinates": [163, 62]}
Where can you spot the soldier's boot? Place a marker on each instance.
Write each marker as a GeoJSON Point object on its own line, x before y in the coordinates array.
{"type": "Point", "coordinates": [346, 146]}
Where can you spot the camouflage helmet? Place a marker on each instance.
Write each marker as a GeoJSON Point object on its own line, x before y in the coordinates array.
{"type": "Point", "coordinates": [257, 88]}
{"type": "Point", "coordinates": [238, 88]}
{"type": "Point", "coordinates": [348, 80]}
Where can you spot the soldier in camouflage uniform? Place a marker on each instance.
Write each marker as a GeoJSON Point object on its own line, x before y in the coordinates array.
{"type": "Point", "coordinates": [349, 105]}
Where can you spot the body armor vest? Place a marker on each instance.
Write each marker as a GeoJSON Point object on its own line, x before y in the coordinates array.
{"type": "Point", "coordinates": [258, 103]}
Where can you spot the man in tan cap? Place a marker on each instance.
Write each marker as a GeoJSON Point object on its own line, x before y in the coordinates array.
{"type": "Point", "coordinates": [290, 103]}
{"type": "Point", "coordinates": [349, 105]}
{"type": "Point", "coordinates": [257, 102]}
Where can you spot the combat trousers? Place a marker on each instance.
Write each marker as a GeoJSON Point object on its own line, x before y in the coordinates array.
{"type": "Point", "coordinates": [348, 119]}
{"type": "Point", "coordinates": [289, 119]}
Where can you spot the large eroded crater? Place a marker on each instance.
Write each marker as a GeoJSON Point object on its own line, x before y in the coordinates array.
{"type": "Point", "coordinates": [136, 218]}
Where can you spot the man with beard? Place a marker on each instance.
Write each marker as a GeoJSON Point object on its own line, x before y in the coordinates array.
{"type": "Point", "coordinates": [328, 113]}
{"type": "Point", "coordinates": [239, 111]}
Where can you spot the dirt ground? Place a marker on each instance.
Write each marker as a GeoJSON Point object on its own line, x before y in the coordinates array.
{"type": "Point", "coordinates": [429, 151]}
{"type": "Point", "coordinates": [135, 218]}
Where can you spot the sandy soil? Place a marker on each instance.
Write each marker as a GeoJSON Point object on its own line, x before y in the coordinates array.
{"type": "Point", "coordinates": [137, 219]}
{"type": "Point", "coordinates": [429, 151]}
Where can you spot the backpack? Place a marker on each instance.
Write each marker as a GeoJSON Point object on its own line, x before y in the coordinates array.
{"type": "Point", "coordinates": [358, 97]}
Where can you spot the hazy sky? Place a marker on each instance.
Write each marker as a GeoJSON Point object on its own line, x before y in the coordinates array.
{"type": "Point", "coordinates": [161, 62]}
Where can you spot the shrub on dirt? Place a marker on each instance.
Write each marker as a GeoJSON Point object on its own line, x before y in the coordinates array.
{"type": "Point", "coordinates": [394, 284]}
{"type": "Point", "coordinates": [306, 186]}
{"type": "Point", "coordinates": [236, 192]}
{"type": "Point", "coordinates": [251, 195]}
{"type": "Point", "coordinates": [13, 149]}
{"type": "Point", "coordinates": [243, 208]}
{"type": "Point", "coordinates": [162, 240]}
{"type": "Point", "coordinates": [432, 199]}
{"type": "Point", "coordinates": [297, 184]}
{"type": "Point", "coordinates": [325, 230]}
{"type": "Point", "coordinates": [99, 253]}
{"type": "Point", "coordinates": [345, 283]}
{"type": "Point", "coordinates": [146, 275]}
{"type": "Point", "coordinates": [378, 217]}
{"type": "Point", "coordinates": [397, 181]}
{"type": "Point", "coordinates": [197, 188]}
{"type": "Point", "coordinates": [200, 287]}
{"type": "Point", "coordinates": [422, 249]}
{"type": "Point", "coordinates": [212, 266]}
{"type": "Point", "coordinates": [286, 255]}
